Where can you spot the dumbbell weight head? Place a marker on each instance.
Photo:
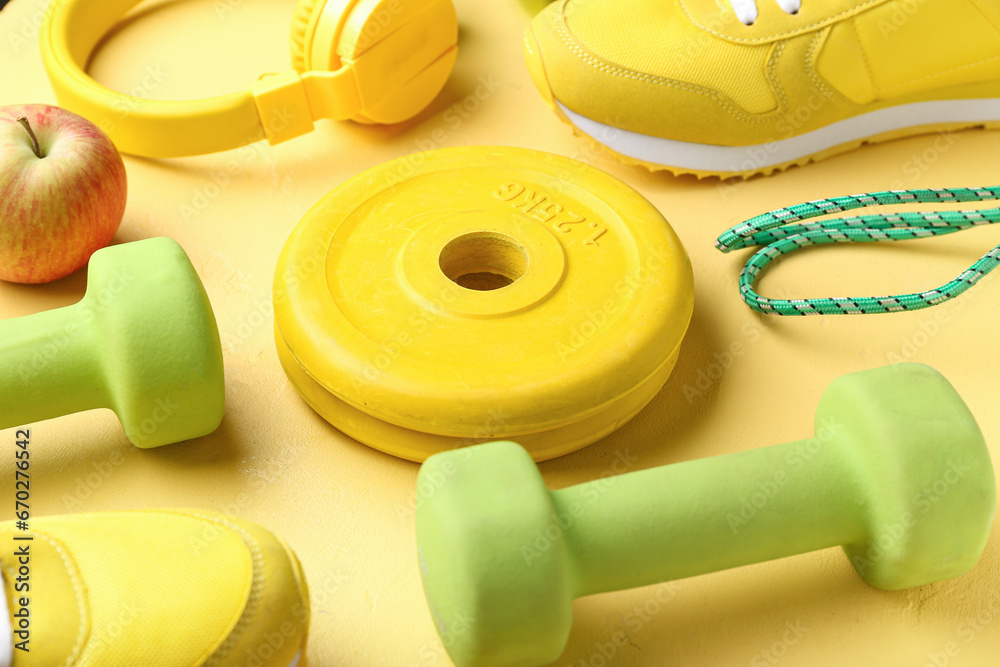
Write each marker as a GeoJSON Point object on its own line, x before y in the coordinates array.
{"type": "Point", "coordinates": [161, 353]}
{"type": "Point", "coordinates": [143, 341]}
{"type": "Point", "coordinates": [490, 605]}
{"type": "Point", "coordinates": [917, 453]}
{"type": "Point", "coordinates": [898, 474]}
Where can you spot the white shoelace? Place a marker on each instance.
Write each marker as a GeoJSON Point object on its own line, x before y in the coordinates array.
{"type": "Point", "coordinates": [746, 10]}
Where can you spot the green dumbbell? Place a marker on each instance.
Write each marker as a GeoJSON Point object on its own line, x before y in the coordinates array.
{"type": "Point", "coordinates": [143, 341]}
{"type": "Point", "coordinates": [898, 475]}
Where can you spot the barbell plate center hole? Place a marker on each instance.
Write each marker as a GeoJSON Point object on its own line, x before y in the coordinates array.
{"type": "Point", "coordinates": [483, 261]}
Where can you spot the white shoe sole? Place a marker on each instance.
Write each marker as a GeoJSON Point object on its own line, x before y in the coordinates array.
{"type": "Point", "coordinates": [722, 160]}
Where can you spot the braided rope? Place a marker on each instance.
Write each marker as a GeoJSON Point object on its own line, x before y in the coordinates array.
{"type": "Point", "coordinates": [776, 235]}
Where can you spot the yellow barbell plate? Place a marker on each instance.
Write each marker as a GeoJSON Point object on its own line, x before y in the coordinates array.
{"type": "Point", "coordinates": [481, 293]}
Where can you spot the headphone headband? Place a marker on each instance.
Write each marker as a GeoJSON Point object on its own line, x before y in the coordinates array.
{"type": "Point", "coordinates": [277, 107]}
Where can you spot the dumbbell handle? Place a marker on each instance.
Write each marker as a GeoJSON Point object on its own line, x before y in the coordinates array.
{"type": "Point", "coordinates": [710, 514]}
{"type": "Point", "coordinates": [49, 365]}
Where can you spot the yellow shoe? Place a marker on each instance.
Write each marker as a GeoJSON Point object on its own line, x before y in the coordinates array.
{"type": "Point", "coordinates": [151, 589]}
{"type": "Point", "coordinates": [727, 87]}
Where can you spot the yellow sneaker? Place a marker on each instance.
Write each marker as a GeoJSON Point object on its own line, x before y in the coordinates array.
{"type": "Point", "coordinates": [151, 589]}
{"type": "Point", "coordinates": [740, 87]}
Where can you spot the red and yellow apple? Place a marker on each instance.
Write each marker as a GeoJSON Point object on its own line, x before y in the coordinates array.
{"type": "Point", "coordinates": [62, 192]}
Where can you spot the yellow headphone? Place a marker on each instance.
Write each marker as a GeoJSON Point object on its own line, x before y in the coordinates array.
{"type": "Point", "coordinates": [374, 61]}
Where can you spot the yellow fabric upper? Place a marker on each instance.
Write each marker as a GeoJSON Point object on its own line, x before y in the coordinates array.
{"type": "Point", "coordinates": [59, 588]}
{"type": "Point", "coordinates": [156, 589]}
{"type": "Point", "coordinates": [663, 50]}
{"type": "Point", "coordinates": [689, 70]}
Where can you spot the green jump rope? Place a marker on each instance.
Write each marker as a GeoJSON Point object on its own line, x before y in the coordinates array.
{"type": "Point", "coordinates": [781, 231]}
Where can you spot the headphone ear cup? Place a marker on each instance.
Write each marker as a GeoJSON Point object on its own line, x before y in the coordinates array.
{"type": "Point", "coordinates": [300, 23]}
{"type": "Point", "coordinates": [402, 53]}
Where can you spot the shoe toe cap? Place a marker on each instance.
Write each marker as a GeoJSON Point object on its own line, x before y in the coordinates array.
{"type": "Point", "coordinates": [176, 588]}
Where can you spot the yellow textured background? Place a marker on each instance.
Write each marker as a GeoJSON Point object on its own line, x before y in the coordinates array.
{"type": "Point", "coordinates": [743, 381]}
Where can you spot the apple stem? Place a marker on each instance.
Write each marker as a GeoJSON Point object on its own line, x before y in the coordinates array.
{"type": "Point", "coordinates": [31, 133]}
